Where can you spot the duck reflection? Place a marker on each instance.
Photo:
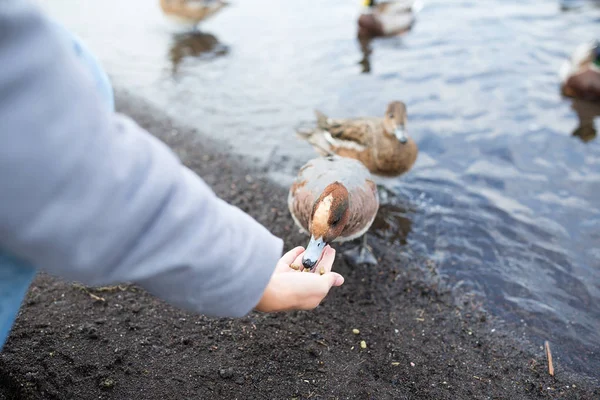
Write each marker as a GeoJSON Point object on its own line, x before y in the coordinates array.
{"type": "Point", "coordinates": [195, 44]}
{"type": "Point", "coordinates": [586, 112]}
{"type": "Point", "coordinates": [392, 223]}
{"type": "Point", "coordinates": [366, 50]}
{"type": "Point", "coordinates": [569, 5]}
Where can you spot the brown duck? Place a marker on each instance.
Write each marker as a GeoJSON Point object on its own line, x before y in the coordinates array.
{"type": "Point", "coordinates": [191, 11]}
{"type": "Point", "coordinates": [381, 144]}
{"type": "Point", "coordinates": [580, 75]}
{"type": "Point", "coordinates": [333, 199]}
{"type": "Point", "coordinates": [387, 18]}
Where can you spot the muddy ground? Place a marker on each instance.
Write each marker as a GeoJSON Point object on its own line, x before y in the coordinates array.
{"type": "Point", "coordinates": [72, 342]}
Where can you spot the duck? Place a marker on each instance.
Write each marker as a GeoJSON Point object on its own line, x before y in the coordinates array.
{"type": "Point", "coordinates": [382, 144]}
{"type": "Point", "coordinates": [387, 18]}
{"type": "Point", "coordinates": [333, 200]}
{"type": "Point", "coordinates": [580, 75]}
{"type": "Point", "coordinates": [191, 12]}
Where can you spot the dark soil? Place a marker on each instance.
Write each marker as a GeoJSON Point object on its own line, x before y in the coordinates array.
{"type": "Point", "coordinates": [71, 342]}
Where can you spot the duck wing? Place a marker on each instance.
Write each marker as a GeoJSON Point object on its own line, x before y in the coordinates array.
{"type": "Point", "coordinates": [354, 133]}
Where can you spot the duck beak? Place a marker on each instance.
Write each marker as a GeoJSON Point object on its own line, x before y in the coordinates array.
{"type": "Point", "coordinates": [313, 253]}
{"type": "Point", "coordinates": [400, 133]}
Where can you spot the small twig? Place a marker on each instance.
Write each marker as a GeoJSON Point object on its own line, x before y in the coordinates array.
{"type": "Point", "coordinates": [549, 357]}
{"type": "Point", "coordinates": [86, 291]}
{"type": "Point", "coordinates": [97, 298]}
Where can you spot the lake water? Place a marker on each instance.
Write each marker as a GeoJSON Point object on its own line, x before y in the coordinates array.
{"type": "Point", "coordinates": [503, 197]}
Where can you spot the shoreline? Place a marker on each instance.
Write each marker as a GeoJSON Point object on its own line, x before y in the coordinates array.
{"type": "Point", "coordinates": [120, 342]}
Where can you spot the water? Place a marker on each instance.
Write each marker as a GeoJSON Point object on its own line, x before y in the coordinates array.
{"type": "Point", "coordinates": [503, 197]}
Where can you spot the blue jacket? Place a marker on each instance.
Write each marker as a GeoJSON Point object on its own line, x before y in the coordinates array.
{"type": "Point", "coordinates": [90, 196]}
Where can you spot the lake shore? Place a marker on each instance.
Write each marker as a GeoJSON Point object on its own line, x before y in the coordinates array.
{"type": "Point", "coordinates": [421, 343]}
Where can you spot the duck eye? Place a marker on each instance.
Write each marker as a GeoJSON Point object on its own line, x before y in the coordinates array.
{"type": "Point", "coordinates": [391, 115]}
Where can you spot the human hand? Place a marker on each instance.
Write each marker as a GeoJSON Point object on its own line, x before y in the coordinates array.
{"type": "Point", "coordinates": [291, 289]}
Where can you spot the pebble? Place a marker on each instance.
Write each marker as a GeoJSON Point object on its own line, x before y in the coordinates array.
{"type": "Point", "coordinates": [107, 383]}
{"type": "Point", "coordinates": [363, 344]}
{"type": "Point", "coordinates": [355, 331]}
{"type": "Point", "coordinates": [226, 373]}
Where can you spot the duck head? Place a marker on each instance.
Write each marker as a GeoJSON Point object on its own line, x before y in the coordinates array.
{"type": "Point", "coordinates": [329, 217]}
{"type": "Point", "coordinates": [394, 121]}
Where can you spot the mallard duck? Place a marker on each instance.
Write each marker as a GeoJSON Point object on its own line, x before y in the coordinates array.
{"type": "Point", "coordinates": [580, 75]}
{"type": "Point", "coordinates": [381, 144]}
{"type": "Point", "coordinates": [387, 18]}
{"type": "Point", "coordinates": [191, 11]}
{"type": "Point", "coordinates": [333, 199]}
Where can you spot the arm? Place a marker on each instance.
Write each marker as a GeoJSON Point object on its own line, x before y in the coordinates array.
{"type": "Point", "coordinates": [89, 195]}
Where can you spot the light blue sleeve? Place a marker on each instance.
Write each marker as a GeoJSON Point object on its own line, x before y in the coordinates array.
{"type": "Point", "coordinates": [90, 196]}
{"type": "Point", "coordinates": [91, 63]}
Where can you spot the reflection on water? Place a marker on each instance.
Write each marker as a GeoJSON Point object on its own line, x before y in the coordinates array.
{"type": "Point", "coordinates": [586, 112]}
{"type": "Point", "coordinates": [392, 224]}
{"type": "Point", "coordinates": [567, 5]}
{"type": "Point", "coordinates": [195, 44]}
{"type": "Point", "coordinates": [502, 197]}
{"type": "Point", "coordinates": [366, 50]}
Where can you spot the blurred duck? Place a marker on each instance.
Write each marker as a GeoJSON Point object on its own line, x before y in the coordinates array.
{"type": "Point", "coordinates": [191, 12]}
{"type": "Point", "coordinates": [381, 144]}
{"type": "Point", "coordinates": [580, 75]}
{"type": "Point", "coordinates": [333, 199]}
{"type": "Point", "coordinates": [387, 18]}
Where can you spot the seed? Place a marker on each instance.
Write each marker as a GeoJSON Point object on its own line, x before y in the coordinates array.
{"type": "Point", "coordinates": [363, 344]}
{"type": "Point", "coordinates": [322, 271]}
{"type": "Point", "coordinates": [296, 267]}
{"type": "Point", "coordinates": [355, 331]}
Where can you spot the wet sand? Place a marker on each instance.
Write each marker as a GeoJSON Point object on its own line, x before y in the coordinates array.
{"type": "Point", "coordinates": [421, 341]}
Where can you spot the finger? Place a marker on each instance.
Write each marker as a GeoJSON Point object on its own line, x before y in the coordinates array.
{"type": "Point", "coordinates": [291, 255]}
{"type": "Point", "coordinates": [297, 263]}
{"type": "Point", "coordinates": [322, 286]}
{"type": "Point", "coordinates": [326, 262]}
{"type": "Point", "coordinates": [335, 279]}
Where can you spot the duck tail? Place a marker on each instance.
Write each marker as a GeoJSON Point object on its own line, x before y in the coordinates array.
{"type": "Point", "coordinates": [321, 120]}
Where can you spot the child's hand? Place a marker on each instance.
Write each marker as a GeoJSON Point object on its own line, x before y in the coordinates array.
{"type": "Point", "coordinates": [290, 289]}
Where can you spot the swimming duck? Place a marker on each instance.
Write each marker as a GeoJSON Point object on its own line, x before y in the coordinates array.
{"type": "Point", "coordinates": [381, 144]}
{"type": "Point", "coordinates": [191, 11]}
{"type": "Point", "coordinates": [387, 18]}
{"type": "Point", "coordinates": [333, 199]}
{"type": "Point", "coordinates": [580, 75]}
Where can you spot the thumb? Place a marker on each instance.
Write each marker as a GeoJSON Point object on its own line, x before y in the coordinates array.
{"type": "Point", "coordinates": [291, 255]}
